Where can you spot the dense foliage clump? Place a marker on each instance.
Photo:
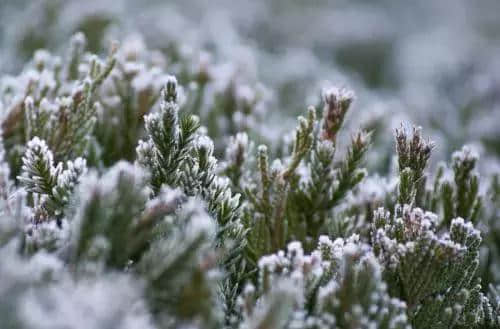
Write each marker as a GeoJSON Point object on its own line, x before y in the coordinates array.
{"type": "Point", "coordinates": [136, 192]}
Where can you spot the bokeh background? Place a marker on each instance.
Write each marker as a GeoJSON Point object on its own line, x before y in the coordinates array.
{"type": "Point", "coordinates": [432, 63]}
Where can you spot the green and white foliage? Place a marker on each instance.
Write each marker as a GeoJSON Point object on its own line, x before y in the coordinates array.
{"type": "Point", "coordinates": [460, 195]}
{"type": "Point", "coordinates": [108, 227]}
{"type": "Point", "coordinates": [141, 191]}
{"type": "Point", "coordinates": [57, 98]}
{"type": "Point", "coordinates": [180, 270]}
{"type": "Point", "coordinates": [338, 285]}
{"type": "Point", "coordinates": [170, 140]}
{"type": "Point", "coordinates": [130, 93]}
{"type": "Point", "coordinates": [178, 156]}
{"type": "Point", "coordinates": [433, 273]}
{"type": "Point", "coordinates": [50, 183]}
{"type": "Point", "coordinates": [413, 154]}
{"type": "Point", "coordinates": [491, 213]}
{"type": "Point", "coordinates": [491, 306]}
{"type": "Point", "coordinates": [39, 293]}
{"type": "Point", "coordinates": [294, 198]}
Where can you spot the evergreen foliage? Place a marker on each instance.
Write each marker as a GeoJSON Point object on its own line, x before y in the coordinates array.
{"type": "Point", "coordinates": [115, 211]}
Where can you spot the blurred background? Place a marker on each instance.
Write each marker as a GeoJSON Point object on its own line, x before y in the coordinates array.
{"type": "Point", "coordinates": [432, 63]}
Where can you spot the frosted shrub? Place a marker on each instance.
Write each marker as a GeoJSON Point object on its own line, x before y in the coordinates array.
{"type": "Point", "coordinates": [139, 190]}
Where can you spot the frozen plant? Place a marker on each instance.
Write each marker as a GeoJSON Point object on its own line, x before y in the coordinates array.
{"type": "Point", "coordinates": [138, 191]}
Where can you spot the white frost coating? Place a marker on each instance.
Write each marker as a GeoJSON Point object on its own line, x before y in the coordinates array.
{"type": "Point", "coordinates": [335, 94]}
{"type": "Point", "coordinates": [200, 222]}
{"type": "Point", "coordinates": [113, 299]}
{"type": "Point", "coordinates": [466, 154]}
